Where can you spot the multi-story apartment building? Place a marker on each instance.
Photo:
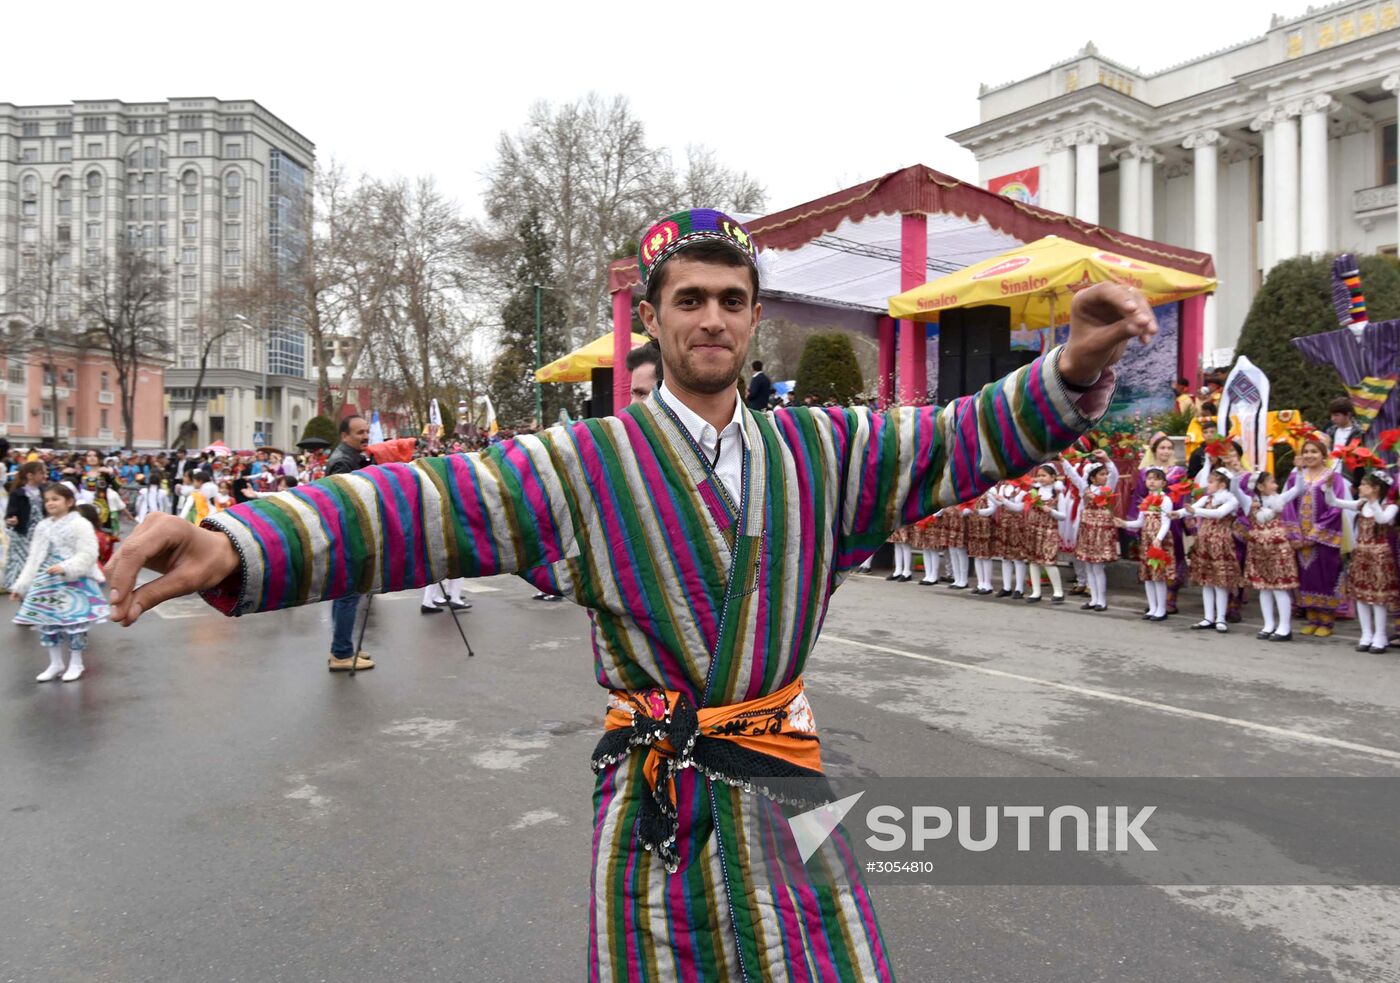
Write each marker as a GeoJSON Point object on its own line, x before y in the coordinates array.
{"type": "Point", "coordinates": [210, 188]}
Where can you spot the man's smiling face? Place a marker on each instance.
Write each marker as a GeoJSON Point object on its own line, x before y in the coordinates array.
{"type": "Point", "coordinates": [704, 320]}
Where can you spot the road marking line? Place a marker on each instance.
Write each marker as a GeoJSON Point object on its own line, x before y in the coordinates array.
{"type": "Point", "coordinates": [1297, 735]}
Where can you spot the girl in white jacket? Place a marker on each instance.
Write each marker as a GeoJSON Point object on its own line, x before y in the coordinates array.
{"type": "Point", "coordinates": [58, 587]}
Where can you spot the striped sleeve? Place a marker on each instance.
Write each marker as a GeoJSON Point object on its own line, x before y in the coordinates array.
{"type": "Point", "coordinates": [398, 526]}
{"type": "Point", "coordinates": [895, 468]}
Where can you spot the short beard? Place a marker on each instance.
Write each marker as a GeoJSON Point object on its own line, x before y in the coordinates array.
{"type": "Point", "coordinates": [690, 381]}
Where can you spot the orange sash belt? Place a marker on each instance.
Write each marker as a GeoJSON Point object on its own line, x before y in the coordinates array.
{"type": "Point", "coordinates": [772, 736]}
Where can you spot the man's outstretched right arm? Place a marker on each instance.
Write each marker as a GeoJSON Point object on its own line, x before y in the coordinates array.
{"type": "Point", "coordinates": [383, 528]}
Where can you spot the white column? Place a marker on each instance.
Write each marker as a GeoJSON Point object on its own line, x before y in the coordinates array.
{"type": "Point", "coordinates": [1314, 227]}
{"type": "Point", "coordinates": [1263, 124]}
{"type": "Point", "coordinates": [1086, 176]}
{"type": "Point", "coordinates": [1059, 185]}
{"type": "Point", "coordinates": [1129, 189]}
{"type": "Point", "coordinates": [1391, 83]}
{"type": "Point", "coordinates": [1205, 165]}
{"type": "Point", "coordinates": [1147, 177]}
{"type": "Point", "coordinates": [1285, 182]}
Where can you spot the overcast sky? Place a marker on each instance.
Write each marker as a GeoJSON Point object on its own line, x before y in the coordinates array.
{"type": "Point", "coordinates": [808, 97]}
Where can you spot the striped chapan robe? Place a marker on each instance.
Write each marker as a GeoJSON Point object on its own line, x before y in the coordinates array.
{"type": "Point", "coordinates": [719, 601]}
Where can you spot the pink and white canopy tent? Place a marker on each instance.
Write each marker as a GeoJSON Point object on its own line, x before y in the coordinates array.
{"type": "Point", "coordinates": [838, 260]}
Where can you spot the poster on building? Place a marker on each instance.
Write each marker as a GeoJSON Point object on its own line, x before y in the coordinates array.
{"type": "Point", "coordinates": [1021, 185]}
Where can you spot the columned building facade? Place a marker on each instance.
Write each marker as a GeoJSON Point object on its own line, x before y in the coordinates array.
{"type": "Point", "coordinates": [1280, 146]}
{"type": "Point", "coordinates": [214, 191]}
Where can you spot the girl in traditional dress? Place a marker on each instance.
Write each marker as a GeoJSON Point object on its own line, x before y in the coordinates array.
{"type": "Point", "coordinates": [24, 511]}
{"type": "Point", "coordinates": [1042, 509]}
{"type": "Point", "coordinates": [1214, 564]}
{"type": "Point", "coordinates": [1096, 539]}
{"type": "Point", "coordinates": [1316, 531]}
{"type": "Point", "coordinates": [1008, 541]}
{"type": "Point", "coordinates": [1156, 562]}
{"type": "Point", "coordinates": [1373, 580]}
{"type": "Point", "coordinates": [903, 553]}
{"type": "Point", "coordinates": [981, 544]}
{"type": "Point", "coordinates": [58, 586]}
{"type": "Point", "coordinates": [1270, 566]}
{"type": "Point", "coordinates": [1161, 453]}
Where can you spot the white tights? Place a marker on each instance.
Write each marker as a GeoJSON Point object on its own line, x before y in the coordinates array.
{"type": "Point", "coordinates": [1375, 626]}
{"type": "Point", "coordinates": [1053, 572]}
{"type": "Point", "coordinates": [984, 573]}
{"type": "Point", "coordinates": [433, 595]}
{"type": "Point", "coordinates": [903, 559]}
{"type": "Point", "coordinates": [1156, 597]}
{"type": "Point", "coordinates": [1282, 601]}
{"type": "Point", "coordinates": [957, 559]}
{"type": "Point", "coordinates": [1098, 583]}
{"type": "Point", "coordinates": [932, 562]}
{"type": "Point", "coordinates": [1217, 600]}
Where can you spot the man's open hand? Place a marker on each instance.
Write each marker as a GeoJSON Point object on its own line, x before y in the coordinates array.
{"type": "Point", "coordinates": [1102, 320]}
{"type": "Point", "coordinates": [190, 558]}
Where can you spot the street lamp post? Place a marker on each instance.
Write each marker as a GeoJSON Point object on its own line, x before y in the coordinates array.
{"type": "Point", "coordinates": [266, 396]}
{"type": "Point", "coordinates": [539, 388]}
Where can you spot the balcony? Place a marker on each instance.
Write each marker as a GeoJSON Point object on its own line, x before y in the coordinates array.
{"type": "Point", "coordinates": [1370, 204]}
{"type": "Point", "coordinates": [60, 392]}
{"type": "Point", "coordinates": [106, 397]}
{"type": "Point", "coordinates": [104, 433]}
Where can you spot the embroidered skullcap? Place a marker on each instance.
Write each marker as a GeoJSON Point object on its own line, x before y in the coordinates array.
{"type": "Point", "coordinates": [1222, 474]}
{"type": "Point", "coordinates": [1382, 476]}
{"type": "Point", "coordinates": [673, 233]}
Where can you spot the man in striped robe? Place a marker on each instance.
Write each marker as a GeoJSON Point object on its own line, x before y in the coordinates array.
{"type": "Point", "coordinates": [707, 541]}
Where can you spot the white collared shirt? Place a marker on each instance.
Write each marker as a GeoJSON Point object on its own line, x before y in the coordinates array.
{"type": "Point", "coordinates": [723, 449]}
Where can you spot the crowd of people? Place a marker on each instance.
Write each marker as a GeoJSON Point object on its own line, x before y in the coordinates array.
{"type": "Point", "coordinates": [1321, 543]}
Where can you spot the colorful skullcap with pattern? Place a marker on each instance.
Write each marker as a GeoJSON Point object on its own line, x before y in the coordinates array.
{"type": "Point", "coordinates": [673, 233]}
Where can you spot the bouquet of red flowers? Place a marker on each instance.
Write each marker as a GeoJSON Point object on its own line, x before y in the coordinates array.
{"type": "Point", "coordinates": [1185, 489]}
{"type": "Point", "coordinates": [1101, 497]}
{"type": "Point", "coordinates": [1388, 439]}
{"type": "Point", "coordinates": [1157, 558]}
{"type": "Point", "coordinates": [1218, 449]}
{"type": "Point", "coordinates": [1354, 456]}
{"type": "Point", "coordinates": [1152, 502]}
{"type": "Point", "coordinates": [1301, 430]}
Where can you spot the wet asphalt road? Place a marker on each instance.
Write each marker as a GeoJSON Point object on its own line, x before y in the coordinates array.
{"type": "Point", "coordinates": [208, 803]}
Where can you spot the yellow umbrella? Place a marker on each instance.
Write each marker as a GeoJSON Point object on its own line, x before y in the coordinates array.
{"type": "Point", "coordinates": [1038, 281]}
{"type": "Point", "coordinates": [578, 365]}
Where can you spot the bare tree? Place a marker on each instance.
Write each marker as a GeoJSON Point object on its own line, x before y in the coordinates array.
{"type": "Point", "coordinates": [44, 294]}
{"type": "Point", "coordinates": [123, 308]}
{"type": "Point", "coordinates": [587, 169]}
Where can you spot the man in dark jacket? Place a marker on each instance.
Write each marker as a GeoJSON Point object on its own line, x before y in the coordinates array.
{"type": "Point", "coordinates": [349, 455]}
{"type": "Point", "coordinates": [760, 389]}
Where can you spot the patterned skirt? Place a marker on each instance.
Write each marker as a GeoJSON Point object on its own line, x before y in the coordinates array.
{"type": "Point", "coordinates": [1042, 537]}
{"type": "Point", "coordinates": [904, 535]}
{"type": "Point", "coordinates": [929, 537]}
{"type": "Point", "coordinates": [1373, 576]}
{"type": "Point", "coordinates": [1008, 541]}
{"type": "Point", "coordinates": [1213, 560]}
{"type": "Point", "coordinates": [1148, 535]}
{"type": "Point", "coordinates": [52, 602]}
{"type": "Point", "coordinates": [1098, 537]}
{"type": "Point", "coordinates": [16, 554]}
{"type": "Point", "coordinates": [981, 538]}
{"type": "Point", "coordinates": [1271, 562]}
{"type": "Point", "coordinates": [953, 531]}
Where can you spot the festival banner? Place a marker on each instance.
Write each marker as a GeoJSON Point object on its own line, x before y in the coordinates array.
{"type": "Point", "coordinates": [1024, 186]}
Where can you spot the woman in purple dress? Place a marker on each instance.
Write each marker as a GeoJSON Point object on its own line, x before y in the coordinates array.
{"type": "Point", "coordinates": [1161, 453]}
{"type": "Point", "coordinates": [1316, 531]}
